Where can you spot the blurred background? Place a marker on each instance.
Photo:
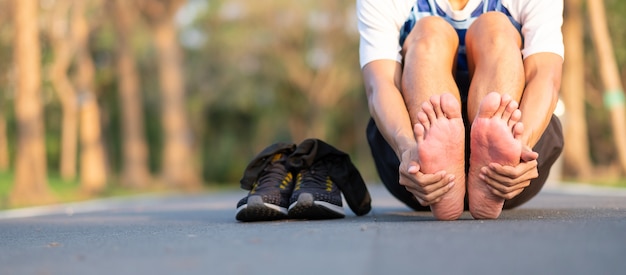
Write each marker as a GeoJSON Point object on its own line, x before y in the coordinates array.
{"type": "Point", "coordinates": [113, 97]}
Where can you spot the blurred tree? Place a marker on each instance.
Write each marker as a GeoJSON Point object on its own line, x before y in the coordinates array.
{"type": "Point", "coordinates": [576, 153]}
{"type": "Point", "coordinates": [178, 168]}
{"type": "Point", "coordinates": [275, 71]}
{"type": "Point", "coordinates": [31, 184]}
{"type": "Point", "coordinates": [93, 169]}
{"type": "Point", "coordinates": [609, 72]}
{"type": "Point", "coordinates": [58, 29]}
{"type": "Point", "coordinates": [314, 53]}
{"type": "Point", "coordinates": [135, 171]}
{"type": "Point", "coordinates": [4, 143]}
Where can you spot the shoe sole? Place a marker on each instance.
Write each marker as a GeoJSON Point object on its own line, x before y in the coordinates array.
{"type": "Point", "coordinates": [257, 210]}
{"type": "Point", "coordinates": [308, 208]}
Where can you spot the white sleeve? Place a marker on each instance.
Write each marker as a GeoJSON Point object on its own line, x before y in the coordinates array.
{"type": "Point", "coordinates": [378, 30]}
{"type": "Point", "coordinates": [541, 26]}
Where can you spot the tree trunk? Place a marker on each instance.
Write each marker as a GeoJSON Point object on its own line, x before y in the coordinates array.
{"type": "Point", "coordinates": [614, 92]}
{"type": "Point", "coordinates": [4, 144]}
{"type": "Point", "coordinates": [30, 184]}
{"type": "Point", "coordinates": [178, 166]}
{"type": "Point", "coordinates": [135, 152]}
{"type": "Point", "coordinates": [62, 49]}
{"type": "Point", "coordinates": [93, 174]}
{"type": "Point", "coordinates": [576, 152]}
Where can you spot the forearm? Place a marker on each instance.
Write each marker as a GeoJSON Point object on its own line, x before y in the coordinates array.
{"type": "Point", "coordinates": [392, 119]}
{"type": "Point", "coordinates": [386, 104]}
{"type": "Point", "coordinates": [543, 80]}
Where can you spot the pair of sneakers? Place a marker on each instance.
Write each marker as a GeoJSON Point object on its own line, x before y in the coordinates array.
{"type": "Point", "coordinates": [280, 193]}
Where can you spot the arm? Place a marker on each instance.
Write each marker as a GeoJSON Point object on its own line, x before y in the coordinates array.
{"type": "Point", "coordinates": [387, 107]}
{"type": "Point", "coordinates": [543, 81]}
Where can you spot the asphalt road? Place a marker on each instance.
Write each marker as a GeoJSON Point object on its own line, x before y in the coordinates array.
{"type": "Point", "coordinates": [562, 231]}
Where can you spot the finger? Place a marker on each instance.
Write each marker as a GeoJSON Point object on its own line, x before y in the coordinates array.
{"type": "Point", "coordinates": [528, 155]}
{"type": "Point", "coordinates": [414, 168]}
{"type": "Point", "coordinates": [507, 195]}
{"type": "Point", "coordinates": [419, 185]}
{"type": "Point", "coordinates": [436, 195]}
{"type": "Point", "coordinates": [414, 175]}
{"type": "Point", "coordinates": [420, 196]}
{"type": "Point", "coordinates": [508, 181]}
{"type": "Point", "coordinates": [510, 171]}
{"type": "Point", "coordinates": [505, 187]}
{"type": "Point", "coordinates": [425, 184]}
{"type": "Point", "coordinates": [430, 197]}
{"type": "Point", "coordinates": [430, 188]}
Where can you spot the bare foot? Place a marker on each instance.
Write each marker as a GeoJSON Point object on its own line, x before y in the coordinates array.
{"type": "Point", "coordinates": [495, 137]}
{"type": "Point", "coordinates": [441, 147]}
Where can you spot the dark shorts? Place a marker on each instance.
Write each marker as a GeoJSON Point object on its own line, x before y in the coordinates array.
{"type": "Point", "coordinates": [549, 148]}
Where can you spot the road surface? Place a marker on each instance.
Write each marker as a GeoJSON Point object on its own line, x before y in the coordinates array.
{"type": "Point", "coordinates": [562, 231]}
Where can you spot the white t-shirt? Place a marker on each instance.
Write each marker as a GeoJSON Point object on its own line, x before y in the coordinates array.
{"type": "Point", "coordinates": [380, 22]}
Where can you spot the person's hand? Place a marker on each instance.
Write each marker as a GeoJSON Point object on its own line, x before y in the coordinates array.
{"type": "Point", "coordinates": [427, 188]}
{"type": "Point", "coordinates": [509, 181]}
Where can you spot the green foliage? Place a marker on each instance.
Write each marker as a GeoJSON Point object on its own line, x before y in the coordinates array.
{"type": "Point", "coordinates": [602, 150]}
{"type": "Point", "coordinates": [250, 68]}
{"type": "Point", "coordinates": [242, 75]}
{"type": "Point", "coordinates": [63, 191]}
{"type": "Point", "coordinates": [615, 10]}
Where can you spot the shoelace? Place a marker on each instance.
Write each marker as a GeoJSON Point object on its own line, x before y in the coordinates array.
{"type": "Point", "coordinates": [275, 174]}
{"type": "Point", "coordinates": [316, 174]}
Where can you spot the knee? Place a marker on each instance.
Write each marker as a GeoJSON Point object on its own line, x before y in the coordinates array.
{"type": "Point", "coordinates": [493, 30]}
{"type": "Point", "coordinates": [431, 35]}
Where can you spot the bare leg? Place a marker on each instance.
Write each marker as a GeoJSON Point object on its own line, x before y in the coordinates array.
{"type": "Point", "coordinates": [433, 101]}
{"type": "Point", "coordinates": [493, 51]}
{"type": "Point", "coordinates": [495, 62]}
{"type": "Point", "coordinates": [440, 140]}
{"type": "Point", "coordinates": [495, 137]}
{"type": "Point", "coordinates": [429, 53]}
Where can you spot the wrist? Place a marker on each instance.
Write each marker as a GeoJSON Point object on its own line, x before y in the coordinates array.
{"type": "Point", "coordinates": [404, 144]}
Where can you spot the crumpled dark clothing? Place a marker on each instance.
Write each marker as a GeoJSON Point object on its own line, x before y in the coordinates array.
{"type": "Point", "coordinates": [344, 174]}
{"type": "Point", "coordinates": [258, 163]}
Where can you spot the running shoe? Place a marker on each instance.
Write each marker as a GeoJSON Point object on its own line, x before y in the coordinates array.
{"type": "Point", "coordinates": [315, 195]}
{"type": "Point", "coordinates": [269, 197]}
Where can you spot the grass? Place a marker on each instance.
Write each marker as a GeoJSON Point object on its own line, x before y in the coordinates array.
{"type": "Point", "coordinates": [66, 191]}
{"type": "Point", "coordinates": [70, 191]}
{"type": "Point", "coordinates": [63, 191]}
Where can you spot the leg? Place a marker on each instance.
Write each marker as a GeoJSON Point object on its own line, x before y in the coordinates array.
{"type": "Point", "coordinates": [433, 101]}
{"type": "Point", "coordinates": [429, 53]}
{"type": "Point", "coordinates": [493, 54]}
{"type": "Point", "coordinates": [496, 68]}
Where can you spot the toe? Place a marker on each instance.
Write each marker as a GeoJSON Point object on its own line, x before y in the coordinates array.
{"type": "Point", "coordinates": [435, 101]}
{"type": "Point", "coordinates": [489, 105]}
{"type": "Point", "coordinates": [450, 106]}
